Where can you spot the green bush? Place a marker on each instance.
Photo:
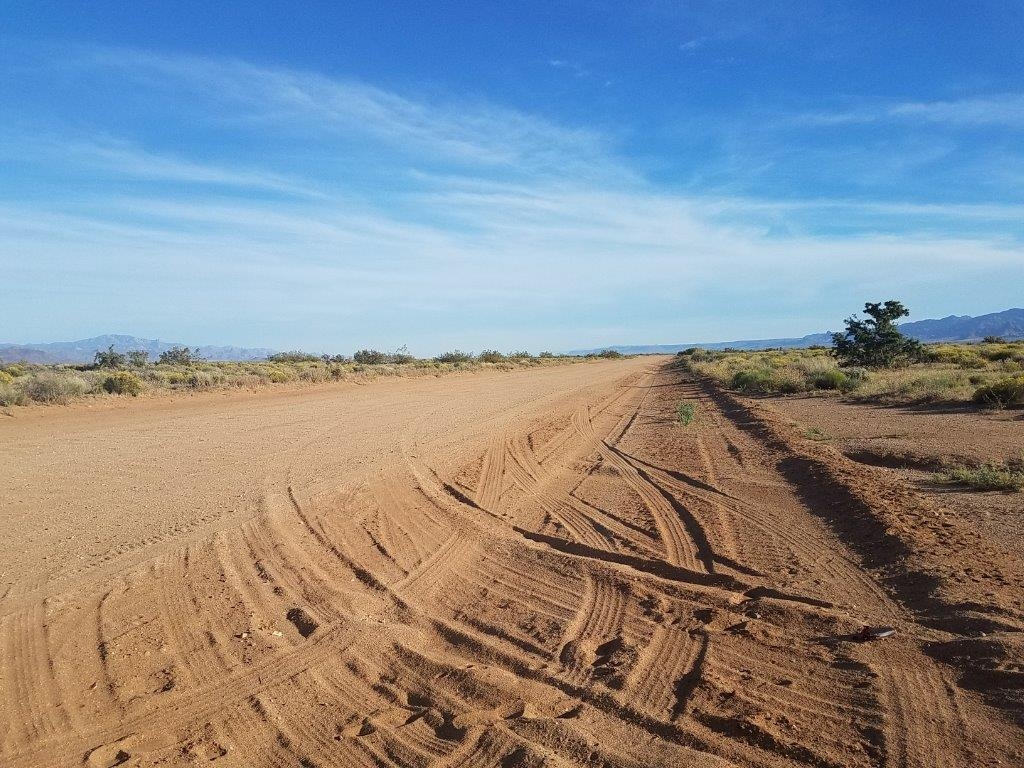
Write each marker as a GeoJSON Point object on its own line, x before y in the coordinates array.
{"type": "Point", "coordinates": [455, 356]}
{"type": "Point", "coordinates": [5, 378]}
{"type": "Point", "coordinates": [52, 387]}
{"type": "Point", "coordinates": [12, 395]}
{"type": "Point", "coordinates": [830, 379]}
{"type": "Point", "coordinates": [199, 380]}
{"type": "Point", "coordinates": [15, 369]}
{"type": "Point", "coordinates": [295, 356]}
{"type": "Point", "coordinates": [987, 477]}
{"type": "Point", "coordinates": [546, 354]}
{"type": "Point", "coordinates": [1002, 393]}
{"type": "Point", "coordinates": [490, 356]}
{"type": "Point", "coordinates": [370, 357]}
{"type": "Point", "coordinates": [612, 354]}
{"type": "Point", "coordinates": [753, 381]}
{"type": "Point", "coordinates": [123, 383]}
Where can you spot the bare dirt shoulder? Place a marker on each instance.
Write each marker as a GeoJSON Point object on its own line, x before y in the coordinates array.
{"type": "Point", "coordinates": [963, 579]}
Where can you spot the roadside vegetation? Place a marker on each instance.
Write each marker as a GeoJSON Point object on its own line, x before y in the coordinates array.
{"type": "Point", "coordinates": [182, 369]}
{"type": "Point", "coordinates": [987, 477]}
{"type": "Point", "coordinates": [872, 362]}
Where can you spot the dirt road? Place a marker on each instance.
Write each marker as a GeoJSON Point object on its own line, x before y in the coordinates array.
{"type": "Point", "coordinates": [530, 568]}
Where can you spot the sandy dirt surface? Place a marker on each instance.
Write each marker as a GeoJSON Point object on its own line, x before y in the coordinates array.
{"type": "Point", "coordinates": [915, 443]}
{"type": "Point", "coordinates": [522, 569]}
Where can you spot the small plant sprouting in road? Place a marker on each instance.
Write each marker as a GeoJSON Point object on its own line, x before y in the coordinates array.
{"type": "Point", "coordinates": [685, 412]}
{"type": "Point", "coordinates": [816, 433]}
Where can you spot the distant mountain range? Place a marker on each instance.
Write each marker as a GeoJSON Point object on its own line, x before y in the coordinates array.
{"type": "Point", "coordinates": [1008, 324]}
{"type": "Point", "coordinates": [84, 350]}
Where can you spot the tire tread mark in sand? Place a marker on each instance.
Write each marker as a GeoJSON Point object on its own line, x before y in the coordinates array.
{"type": "Point", "coordinates": [425, 576]}
{"type": "Point", "coordinates": [669, 655]}
{"type": "Point", "coordinates": [922, 727]}
{"type": "Point", "coordinates": [461, 638]}
{"type": "Point", "coordinates": [599, 620]}
{"type": "Point", "coordinates": [365, 576]}
{"type": "Point", "coordinates": [492, 473]}
{"type": "Point", "coordinates": [680, 549]}
{"type": "Point", "coordinates": [179, 710]}
{"type": "Point", "coordinates": [191, 653]}
{"type": "Point", "coordinates": [36, 710]}
{"type": "Point", "coordinates": [808, 544]}
{"type": "Point", "coordinates": [658, 568]}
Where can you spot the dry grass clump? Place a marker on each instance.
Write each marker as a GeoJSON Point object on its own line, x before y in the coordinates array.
{"type": "Point", "coordinates": [989, 374]}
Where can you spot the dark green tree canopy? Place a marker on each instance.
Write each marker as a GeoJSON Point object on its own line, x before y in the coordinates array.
{"type": "Point", "coordinates": [109, 358]}
{"type": "Point", "coordinates": [876, 342]}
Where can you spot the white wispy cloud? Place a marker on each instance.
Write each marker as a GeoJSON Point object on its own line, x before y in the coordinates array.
{"type": "Point", "coordinates": [1003, 110]}
{"type": "Point", "coordinates": [289, 100]}
{"type": "Point", "coordinates": [479, 212]}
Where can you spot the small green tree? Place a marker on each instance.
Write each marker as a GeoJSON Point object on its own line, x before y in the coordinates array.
{"type": "Point", "coordinates": [876, 342]}
{"type": "Point", "coordinates": [138, 357]}
{"type": "Point", "coordinates": [179, 356]}
{"type": "Point", "coordinates": [109, 358]}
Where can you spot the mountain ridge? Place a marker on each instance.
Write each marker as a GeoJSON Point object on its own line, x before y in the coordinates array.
{"type": "Point", "coordinates": [1008, 324]}
{"type": "Point", "coordinates": [83, 350]}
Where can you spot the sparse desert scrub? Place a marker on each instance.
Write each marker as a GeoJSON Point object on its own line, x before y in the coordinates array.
{"type": "Point", "coordinates": [123, 383]}
{"type": "Point", "coordinates": [21, 384]}
{"type": "Point", "coordinates": [455, 356]}
{"type": "Point", "coordinates": [53, 387]}
{"type": "Point", "coordinates": [987, 374]}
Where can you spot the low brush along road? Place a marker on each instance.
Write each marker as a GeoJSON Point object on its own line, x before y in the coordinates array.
{"type": "Point", "coordinates": [540, 567]}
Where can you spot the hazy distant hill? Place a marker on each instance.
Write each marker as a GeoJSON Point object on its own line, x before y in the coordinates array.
{"type": "Point", "coordinates": [83, 351]}
{"type": "Point", "coordinates": [1008, 324]}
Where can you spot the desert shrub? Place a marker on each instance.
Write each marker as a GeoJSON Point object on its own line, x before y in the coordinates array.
{"type": "Point", "coordinates": [612, 354]}
{"type": "Point", "coordinates": [455, 356]}
{"type": "Point", "coordinates": [15, 369]}
{"type": "Point", "coordinates": [123, 383]}
{"type": "Point", "coordinates": [137, 358]}
{"type": "Point", "coordinates": [996, 355]}
{"type": "Point", "coordinates": [370, 357]}
{"type": "Point", "coordinates": [1002, 393]}
{"type": "Point", "coordinates": [753, 381]}
{"type": "Point", "coordinates": [11, 394]}
{"type": "Point", "coordinates": [53, 387]}
{"type": "Point", "coordinates": [295, 356]}
{"type": "Point", "coordinates": [199, 380]}
{"type": "Point", "coordinates": [179, 356]}
{"type": "Point", "coordinates": [279, 375]}
{"type": "Point", "coordinates": [5, 378]}
{"type": "Point", "coordinates": [519, 354]}
{"type": "Point", "coordinates": [987, 477]}
{"type": "Point", "coordinates": [855, 377]}
{"type": "Point", "coordinates": [994, 340]}
{"type": "Point", "coordinates": [832, 379]}
{"type": "Point", "coordinates": [401, 356]}
{"type": "Point", "coordinates": [314, 374]}
{"type": "Point", "coordinates": [546, 354]}
{"type": "Point", "coordinates": [490, 356]}
{"type": "Point", "coordinates": [110, 359]}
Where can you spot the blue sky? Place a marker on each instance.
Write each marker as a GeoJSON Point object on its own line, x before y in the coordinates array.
{"type": "Point", "coordinates": [475, 174]}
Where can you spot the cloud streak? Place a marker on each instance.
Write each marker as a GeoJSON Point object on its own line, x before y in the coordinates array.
{"type": "Point", "coordinates": [353, 215]}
